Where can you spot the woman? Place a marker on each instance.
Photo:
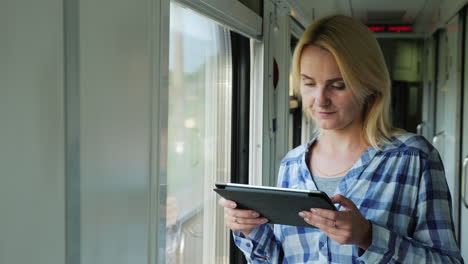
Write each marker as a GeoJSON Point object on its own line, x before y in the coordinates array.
{"type": "Point", "coordinates": [389, 186]}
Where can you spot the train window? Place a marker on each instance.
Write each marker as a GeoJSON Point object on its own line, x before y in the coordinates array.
{"type": "Point", "coordinates": [295, 107]}
{"type": "Point", "coordinates": [199, 137]}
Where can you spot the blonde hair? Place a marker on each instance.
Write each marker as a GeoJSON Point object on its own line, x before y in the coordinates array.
{"type": "Point", "coordinates": [362, 66]}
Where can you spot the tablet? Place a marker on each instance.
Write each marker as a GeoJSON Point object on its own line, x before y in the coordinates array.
{"type": "Point", "coordinates": [278, 205]}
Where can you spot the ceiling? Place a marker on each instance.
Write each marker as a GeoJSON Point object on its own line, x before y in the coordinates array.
{"type": "Point", "coordinates": [383, 11]}
{"type": "Point", "coordinates": [419, 13]}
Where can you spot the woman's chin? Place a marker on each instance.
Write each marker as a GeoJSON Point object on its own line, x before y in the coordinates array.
{"type": "Point", "coordinates": [335, 126]}
{"type": "Point", "coordinates": [326, 124]}
{"type": "Point", "coordinates": [328, 128]}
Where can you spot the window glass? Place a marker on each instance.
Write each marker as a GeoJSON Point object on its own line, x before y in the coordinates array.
{"type": "Point", "coordinates": [199, 136]}
{"type": "Point", "coordinates": [295, 108]}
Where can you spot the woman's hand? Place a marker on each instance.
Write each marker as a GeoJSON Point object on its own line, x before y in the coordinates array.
{"type": "Point", "coordinates": [345, 227]}
{"type": "Point", "coordinates": [239, 219]}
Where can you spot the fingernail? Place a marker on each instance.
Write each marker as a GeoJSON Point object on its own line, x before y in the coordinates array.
{"type": "Point", "coordinates": [313, 210]}
{"type": "Point", "coordinates": [301, 214]}
{"type": "Point", "coordinates": [255, 215]}
{"type": "Point", "coordinates": [264, 220]}
{"type": "Point", "coordinates": [232, 205]}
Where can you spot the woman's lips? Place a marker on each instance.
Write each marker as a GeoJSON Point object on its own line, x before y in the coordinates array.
{"type": "Point", "coordinates": [326, 114]}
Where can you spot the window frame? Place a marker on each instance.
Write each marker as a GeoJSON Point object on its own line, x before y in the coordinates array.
{"type": "Point", "coordinates": [240, 47]}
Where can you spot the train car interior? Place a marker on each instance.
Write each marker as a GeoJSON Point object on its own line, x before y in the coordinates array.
{"type": "Point", "coordinates": [120, 116]}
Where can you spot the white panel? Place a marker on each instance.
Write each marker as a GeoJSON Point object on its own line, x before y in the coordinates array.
{"type": "Point", "coordinates": [427, 125]}
{"type": "Point", "coordinates": [159, 34]}
{"type": "Point", "coordinates": [32, 222]}
{"type": "Point", "coordinates": [464, 180]}
{"type": "Point", "coordinates": [256, 113]}
{"type": "Point", "coordinates": [452, 114]}
{"type": "Point", "coordinates": [115, 88]}
{"type": "Point", "coordinates": [276, 100]}
{"type": "Point", "coordinates": [464, 155]}
{"type": "Point", "coordinates": [448, 109]}
{"type": "Point", "coordinates": [282, 51]}
{"type": "Point", "coordinates": [269, 171]}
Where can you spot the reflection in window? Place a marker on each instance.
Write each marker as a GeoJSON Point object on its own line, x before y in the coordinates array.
{"type": "Point", "coordinates": [199, 137]}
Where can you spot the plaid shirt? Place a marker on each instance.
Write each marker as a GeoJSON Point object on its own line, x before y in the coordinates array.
{"type": "Point", "coordinates": [401, 189]}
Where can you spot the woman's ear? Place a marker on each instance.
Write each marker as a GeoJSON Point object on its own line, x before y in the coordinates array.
{"type": "Point", "coordinates": [371, 97]}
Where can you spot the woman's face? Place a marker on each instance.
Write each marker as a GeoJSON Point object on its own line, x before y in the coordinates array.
{"type": "Point", "coordinates": [324, 94]}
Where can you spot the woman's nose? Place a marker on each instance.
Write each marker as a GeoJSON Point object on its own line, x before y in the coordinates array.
{"type": "Point", "coordinates": [321, 97]}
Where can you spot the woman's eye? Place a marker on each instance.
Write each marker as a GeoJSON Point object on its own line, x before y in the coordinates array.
{"type": "Point", "coordinates": [338, 85]}
{"type": "Point", "coordinates": [309, 84]}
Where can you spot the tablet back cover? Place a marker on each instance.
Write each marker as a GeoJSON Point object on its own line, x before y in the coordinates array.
{"type": "Point", "coordinates": [279, 207]}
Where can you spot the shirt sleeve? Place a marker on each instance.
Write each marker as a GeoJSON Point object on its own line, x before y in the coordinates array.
{"type": "Point", "coordinates": [433, 239]}
{"type": "Point", "coordinates": [261, 245]}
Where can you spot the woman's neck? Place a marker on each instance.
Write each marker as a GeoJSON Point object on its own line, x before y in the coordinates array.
{"type": "Point", "coordinates": [337, 141]}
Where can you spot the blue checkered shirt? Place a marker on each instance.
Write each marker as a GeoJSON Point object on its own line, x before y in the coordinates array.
{"type": "Point", "coordinates": [401, 189]}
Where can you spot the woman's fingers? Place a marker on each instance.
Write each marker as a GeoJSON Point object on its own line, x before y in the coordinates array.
{"type": "Point", "coordinates": [325, 213]}
{"type": "Point", "coordinates": [317, 220]}
{"type": "Point", "coordinates": [345, 227]}
{"type": "Point", "coordinates": [241, 213]}
{"type": "Point", "coordinates": [345, 202]}
{"type": "Point", "coordinates": [240, 216]}
{"type": "Point", "coordinates": [240, 219]}
{"type": "Point", "coordinates": [327, 226]}
{"type": "Point", "coordinates": [324, 218]}
{"type": "Point", "coordinates": [235, 220]}
{"type": "Point", "coordinates": [247, 221]}
{"type": "Point", "coordinates": [227, 203]}
{"type": "Point", "coordinates": [237, 224]}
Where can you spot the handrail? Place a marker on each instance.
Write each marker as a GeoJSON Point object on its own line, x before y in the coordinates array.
{"type": "Point", "coordinates": [181, 249]}
{"type": "Point", "coordinates": [436, 138]}
{"type": "Point", "coordinates": [419, 128]}
{"type": "Point", "coordinates": [464, 181]}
